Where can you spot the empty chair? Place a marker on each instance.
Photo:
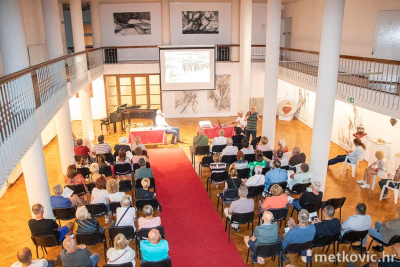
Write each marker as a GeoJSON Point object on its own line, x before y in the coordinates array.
{"type": "Point", "coordinates": [92, 239]}
{"type": "Point", "coordinates": [64, 214]}
{"type": "Point", "coordinates": [250, 157]}
{"type": "Point", "coordinates": [268, 154]}
{"type": "Point", "coordinates": [200, 151]}
{"type": "Point", "coordinates": [351, 237]}
{"type": "Point", "coordinates": [265, 251]}
{"type": "Point", "coordinates": [106, 170]}
{"type": "Point", "coordinates": [227, 197]}
{"type": "Point", "coordinates": [217, 148]}
{"type": "Point", "coordinates": [228, 159]}
{"type": "Point", "coordinates": [323, 241]}
{"type": "Point", "coordinates": [125, 186]}
{"type": "Point", "coordinates": [45, 242]}
{"type": "Point", "coordinates": [84, 171]}
{"type": "Point", "coordinates": [216, 178]}
{"type": "Point", "coordinates": [243, 173]}
{"type": "Point", "coordinates": [239, 218]}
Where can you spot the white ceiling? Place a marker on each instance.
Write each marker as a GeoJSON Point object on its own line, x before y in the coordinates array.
{"type": "Point", "coordinates": [84, 2]}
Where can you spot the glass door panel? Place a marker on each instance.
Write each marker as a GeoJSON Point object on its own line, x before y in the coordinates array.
{"type": "Point", "coordinates": [125, 88]}
{"type": "Point", "coordinates": [141, 91]}
{"type": "Point", "coordinates": [112, 93]}
{"type": "Point", "coordinates": [155, 94]}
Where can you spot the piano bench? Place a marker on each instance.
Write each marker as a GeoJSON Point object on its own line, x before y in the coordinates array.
{"type": "Point", "coordinates": [105, 122]}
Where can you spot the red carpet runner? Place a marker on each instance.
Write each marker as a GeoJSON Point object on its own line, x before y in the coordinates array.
{"type": "Point", "coordinates": [193, 229]}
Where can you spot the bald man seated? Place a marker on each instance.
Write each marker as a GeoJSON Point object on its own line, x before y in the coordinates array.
{"type": "Point", "coordinates": [24, 256]}
{"type": "Point", "coordinates": [74, 255]}
{"type": "Point", "coordinates": [263, 234]}
{"type": "Point", "coordinates": [41, 226]}
{"type": "Point", "coordinates": [155, 248]}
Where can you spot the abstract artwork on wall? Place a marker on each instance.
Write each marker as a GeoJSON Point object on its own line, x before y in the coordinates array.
{"type": "Point", "coordinates": [198, 22]}
{"type": "Point", "coordinates": [132, 23]}
{"type": "Point", "coordinates": [220, 98]}
{"type": "Point", "coordinates": [349, 120]}
{"type": "Point", "coordinates": [186, 102]}
{"type": "Point", "coordinates": [303, 103]}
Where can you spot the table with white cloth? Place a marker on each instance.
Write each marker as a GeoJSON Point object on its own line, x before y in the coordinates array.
{"type": "Point", "coordinates": [148, 135]}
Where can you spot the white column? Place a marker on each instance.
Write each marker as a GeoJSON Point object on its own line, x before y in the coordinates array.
{"type": "Point", "coordinates": [55, 49]}
{"type": "Point", "coordinates": [245, 54]}
{"type": "Point", "coordinates": [13, 47]}
{"type": "Point", "coordinates": [271, 68]}
{"type": "Point", "coordinates": [165, 23]}
{"type": "Point", "coordinates": [331, 32]}
{"type": "Point", "coordinates": [96, 24]}
{"type": "Point", "coordinates": [37, 185]}
{"type": "Point", "coordinates": [79, 45]}
{"type": "Point", "coordinates": [235, 29]}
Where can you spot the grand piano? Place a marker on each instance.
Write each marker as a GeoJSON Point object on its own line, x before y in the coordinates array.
{"type": "Point", "coordinates": [126, 113]}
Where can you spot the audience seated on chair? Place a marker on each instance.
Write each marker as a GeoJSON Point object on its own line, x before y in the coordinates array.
{"type": "Point", "coordinates": [395, 178]}
{"type": "Point", "coordinates": [277, 200]}
{"type": "Point", "coordinates": [126, 214]}
{"type": "Point", "coordinates": [113, 191]}
{"type": "Point", "coordinates": [217, 165]}
{"type": "Point", "coordinates": [101, 161]}
{"type": "Point", "coordinates": [328, 225]}
{"type": "Point", "coordinates": [121, 252]}
{"type": "Point", "coordinates": [99, 193]}
{"type": "Point", "coordinates": [265, 233]}
{"type": "Point", "coordinates": [143, 171]}
{"type": "Point", "coordinates": [138, 144]}
{"type": "Point", "coordinates": [199, 140]}
{"type": "Point", "coordinates": [383, 262]}
{"type": "Point", "coordinates": [58, 201]}
{"type": "Point", "coordinates": [264, 144]}
{"type": "Point", "coordinates": [73, 177]}
{"type": "Point", "coordinates": [260, 161]}
{"type": "Point", "coordinates": [94, 169]}
{"type": "Point", "coordinates": [242, 205]}
{"type": "Point", "coordinates": [360, 221]}
{"type": "Point", "coordinates": [121, 158]}
{"type": "Point", "coordinates": [219, 140]}
{"type": "Point", "coordinates": [24, 256]}
{"type": "Point", "coordinates": [83, 163]}
{"type": "Point", "coordinates": [352, 155]}
{"type": "Point", "coordinates": [237, 138]}
{"type": "Point", "coordinates": [101, 147]}
{"type": "Point", "coordinates": [303, 232]}
{"type": "Point", "coordinates": [241, 163]}
{"type": "Point", "coordinates": [155, 248]}
{"type": "Point", "coordinates": [247, 148]}
{"type": "Point", "coordinates": [384, 231]}
{"type": "Point", "coordinates": [297, 157]}
{"type": "Point", "coordinates": [41, 226]}
{"type": "Point", "coordinates": [144, 193]}
{"type": "Point", "coordinates": [308, 197]}
{"type": "Point", "coordinates": [123, 143]}
{"type": "Point", "coordinates": [229, 149]}
{"type": "Point", "coordinates": [138, 155]}
{"type": "Point", "coordinates": [279, 156]}
{"type": "Point", "coordinates": [86, 224]}
{"type": "Point", "coordinates": [257, 179]}
{"type": "Point", "coordinates": [233, 182]}
{"type": "Point", "coordinates": [282, 145]}
{"type": "Point", "coordinates": [149, 221]}
{"type": "Point", "coordinates": [379, 167]}
{"type": "Point", "coordinates": [80, 149]}
{"type": "Point", "coordinates": [304, 176]}
{"type": "Point", "coordinates": [88, 144]}
{"type": "Point", "coordinates": [276, 175]}
{"type": "Point", "coordinates": [77, 255]}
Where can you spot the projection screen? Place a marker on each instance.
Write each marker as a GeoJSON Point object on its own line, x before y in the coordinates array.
{"type": "Point", "coordinates": [185, 68]}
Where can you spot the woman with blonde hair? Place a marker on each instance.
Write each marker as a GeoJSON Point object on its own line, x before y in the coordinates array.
{"type": "Point", "coordinates": [138, 155]}
{"type": "Point", "coordinates": [277, 200]}
{"type": "Point", "coordinates": [112, 187]}
{"type": "Point", "coordinates": [73, 177]}
{"type": "Point", "coordinates": [379, 167]}
{"type": "Point", "coordinates": [264, 144]}
{"type": "Point", "coordinates": [94, 169]}
{"type": "Point", "coordinates": [217, 166]}
{"type": "Point", "coordinates": [126, 214]}
{"type": "Point", "coordinates": [282, 145]}
{"type": "Point", "coordinates": [86, 224]}
{"type": "Point", "coordinates": [149, 221]}
{"type": "Point", "coordinates": [121, 252]}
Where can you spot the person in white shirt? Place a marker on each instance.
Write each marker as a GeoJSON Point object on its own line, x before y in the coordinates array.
{"type": "Point", "coordinates": [160, 121]}
{"type": "Point", "coordinates": [126, 214]}
{"type": "Point", "coordinates": [24, 256]}
{"type": "Point", "coordinates": [138, 144]}
{"type": "Point", "coordinates": [219, 140]}
{"type": "Point", "coordinates": [379, 168]}
{"type": "Point", "coordinates": [247, 148]}
{"type": "Point", "coordinates": [257, 179]}
{"type": "Point", "coordinates": [264, 144]}
{"type": "Point", "coordinates": [229, 150]}
{"type": "Point", "coordinates": [352, 155]}
{"type": "Point", "coordinates": [121, 252]}
{"type": "Point", "coordinates": [241, 123]}
{"type": "Point", "coordinates": [304, 176]}
{"type": "Point", "coordinates": [360, 221]}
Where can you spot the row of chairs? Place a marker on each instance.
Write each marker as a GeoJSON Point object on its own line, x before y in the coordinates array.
{"type": "Point", "coordinates": [109, 157]}
{"type": "Point", "coordinates": [119, 169]}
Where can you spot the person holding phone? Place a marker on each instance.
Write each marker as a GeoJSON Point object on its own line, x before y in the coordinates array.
{"type": "Point", "coordinates": [252, 117]}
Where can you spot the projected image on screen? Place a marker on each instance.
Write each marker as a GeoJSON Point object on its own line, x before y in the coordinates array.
{"type": "Point", "coordinates": [187, 66]}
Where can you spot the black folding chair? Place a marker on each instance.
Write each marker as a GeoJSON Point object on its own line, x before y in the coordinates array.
{"type": "Point", "coordinates": [250, 157]}
{"type": "Point", "coordinates": [114, 206]}
{"type": "Point", "coordinates": [351, 237]}
{"type": "Point", "coordinates": [138, 183]}
{"type": "Point", "coordinates": [265, 170]}
{"type": "Point", "coordinates": [125, 186]}
{"type": "Point", "coordinates": [143, 233]}
{"type": "Point", "coordinates": [108, 157]}
{"type": "Point", "coordinates": [227, 197]}
{"type": "Point", "coordinates": [238, 145]}
{"type": "Point", "coordinates": [310, 207]}
{"type": "Point", "coordinates": [161, 263]}
{"type": "Point", "coordinates": [216, 178]}
{"type": "Point", "coordinates": [283, 185]}
{"type": "Point", "coordinates": [285, 167]}
{"type": "Point", "coordinates": [217, 148]}
{"type": "Point", "coordinates": [298, 189]}
{"type": "Point", "coordinates": [84, 171]}
{"type": "Point", "coordinates": [279, 216]}
{"type": "Point", "coordinates": [265, 251]}
{"type": "Point", "coordinates": [255, 191]}
{"type": "Point", "coordinates": [255, 142]}
{"type": "Point", "coordinates": [126, 264]}
{"type": "Point", "coordinates": [323, 241]}
{"type": "Point", "coordinates": [140, 203]}
{"type": "Point", "coordinates": [79, 189]}
{"type": "Point", "coordinates": [297, 248]}
{"type": "Point", "coordinates": [394, 240]}
{"type": "Point", "coordinates": [122, 169]}
{"type": "Point", "coordinates": [64, 214]}
{"type": "Point", "coordinates": [200, 151]}
{"type": "Point", "coordinates": [79, 157]}
{"type": "Point", "coordinates": [92, 239]}
{"type": "Point", "coordinates": [106, 170]}
{"type": "Point", "coordinates": [205, 163]}
{"type": "Point", "coordinates": [45, 242]}
{"type": "Point", "coordinates": [127, 231]}
{"type": "Point", "coordinates": [97, 210]}
{"type": "Point", "coordinates": [228, 160]}
{"type": "Point", "coordinates": [243, 173]}
{"type": "Point", "coordinates": [337, 203]}
{"type": "Point", "coordinates": [268, 154]}
{"type": "Point", "coordinates": [239, 218]}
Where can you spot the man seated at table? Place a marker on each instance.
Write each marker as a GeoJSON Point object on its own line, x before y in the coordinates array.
{"type": "Point", "coordinates": [241, 123]}
{"type": "Point", "coordinates": [160, 121]}
{"type": "Point", "coordinates": [199, 140]}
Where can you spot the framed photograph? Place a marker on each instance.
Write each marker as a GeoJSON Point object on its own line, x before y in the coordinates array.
{"type": "Point", "coordinates": [132, 23]}
{"type": "Point", "coordinates": [200, 22]}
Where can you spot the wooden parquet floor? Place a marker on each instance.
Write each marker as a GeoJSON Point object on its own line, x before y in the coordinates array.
{"type": "Point", "coordinates": [15, 210]}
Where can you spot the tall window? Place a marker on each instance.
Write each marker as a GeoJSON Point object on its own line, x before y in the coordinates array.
{"type": "Point", "coordinates": [137, 89]}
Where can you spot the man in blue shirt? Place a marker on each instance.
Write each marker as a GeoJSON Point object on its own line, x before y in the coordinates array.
{"type": "Point", "coordinates": [276, 175]}
{"type": "Point", "coordinates": [154, 249]}
{"type": "Point", "coordinates": [58, 201]}
{"type": "Point", "coordinates": [299, 233]}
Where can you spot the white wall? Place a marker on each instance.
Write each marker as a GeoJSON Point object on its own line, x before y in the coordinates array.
{"type": "Point", "coordinates": [259, 21]}
{"type": "Point", "coordinates": [49, 132]}
{"type": "Point", "coordinates": [107, 24]}
{"type": "Point", "coordinates": [358, 24]}
{"type": "Point", "coordinates": [224, 21]}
